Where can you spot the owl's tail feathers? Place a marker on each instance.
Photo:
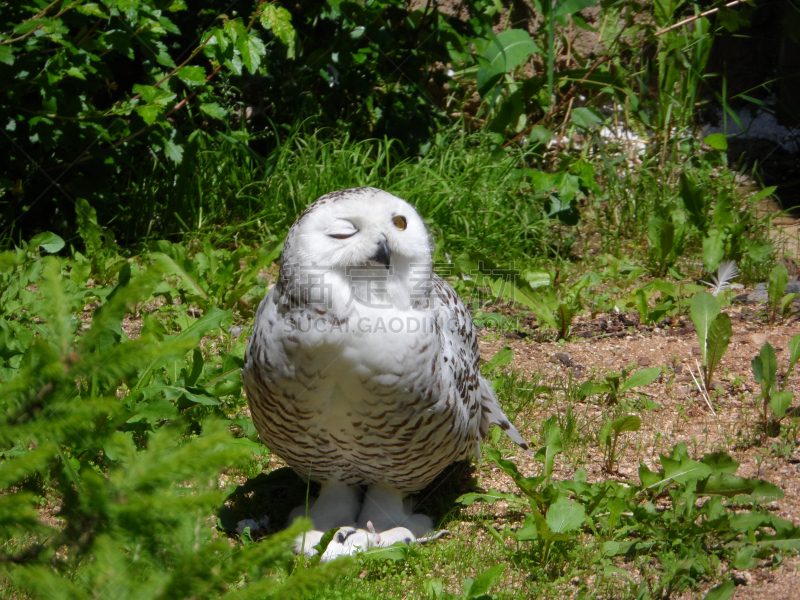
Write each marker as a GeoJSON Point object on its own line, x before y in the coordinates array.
{"type": "Point", "coordinates": [492, 414]}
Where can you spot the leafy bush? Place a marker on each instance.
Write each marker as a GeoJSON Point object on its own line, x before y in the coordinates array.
{"type": "Point", "coordinates": [105, 491]}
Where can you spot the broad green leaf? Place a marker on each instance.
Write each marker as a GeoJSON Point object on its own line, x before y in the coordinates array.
{"type": "Point", "coordinates": [173, 150]}
{"type": "Point", "coordinates": [626, 423]}
{"type": "Point", "coordinates": [662, 236]}
{"type": "Point", "coordinates": [723, 211]}
{"type": "Point", "coordinates": [7, 55]}
{"type": "Point", "coordinates": [48, 241]}
{"type": "Point", "coordinates": [325, 541]}
{"type": "Point", "coordinates": [769, 364]}
{"type": "Point", "coordinates": [758, 369]}
{"type": "Point", "coordinates": [192, 74]}
{"type": "Point", "coordinates": [569, 7]}
{"type": "Point", "coordinates": [149, 112]}
{"type": "Point", "coordinates": [713, 250]}
{"type": "Point", "coordinates": [703, 309]}
{"type": "Point", "coordinates": [251, 50]}
{"type": "Point", "coordinates": [693, 200]}
{"type": "Point", "coordinates": [586, 116]}
{"type": "Point", "coordinates": [553, 445]}
{"type": "Point", "coordinates": [780, 402]}
{"type": "Point", "coordinates": [565, 515]}
{"type": "Point", "coordinates": [759, 252]}
{"type": "Point", "coordinates": [778, 279]}
{"type": "Point", "coordinates": [641, 378]}
{"type": "Point", "coordinates": [794, 352]}
{"type": "Point", "coordinates": [648, 478]}
{"type": "Point", "coordinates": [486, 580]}
{"type": "Point", "coordinates": [214, 110]}
{"type": "Point", "coordinates": [764, 193]}
{"type": "Point", "coordinates": [724, 591]}
{"type": "Point", "coordinates": [721, 462]}
{"type": "Point", "coordinates": [592, 388]}
{"type": "Point", "coordinates": [489, 497]}
{"type": "Point", "coordinates": [279, 20]}
{"type": "Point", "coordinates": [500, 359]}
{"type": "Point", "coordinates": [506, 51]}
{"type": "Point", "coordinates": [719, 335]}
{"type": "Point", "coordinates": [529, 530]}
{"type": "Point", "coordinates": [718, 141]}
{"type": "Point", "coordinates": [786, 304]}
{"type": "Point", "coordinates": [537, 279]}
{"type": "Point", "coordinates": [729, 486]}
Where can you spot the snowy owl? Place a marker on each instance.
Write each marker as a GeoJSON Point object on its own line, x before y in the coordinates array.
{"type": "Point", "coordinates": [362, 371]}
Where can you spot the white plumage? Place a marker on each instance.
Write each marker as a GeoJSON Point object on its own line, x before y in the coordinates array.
{"type": "Point", "coordinates": [363, 368]}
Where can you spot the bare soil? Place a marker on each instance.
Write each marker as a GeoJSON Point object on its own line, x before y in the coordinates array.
{"type": "Point", "coordinates": [731, 423]}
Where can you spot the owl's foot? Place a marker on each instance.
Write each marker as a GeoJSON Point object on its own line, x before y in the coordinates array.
{"type": "Point", "coordinates": [383, 509]}
{"type": "Point", "coordinates": [380, 521]}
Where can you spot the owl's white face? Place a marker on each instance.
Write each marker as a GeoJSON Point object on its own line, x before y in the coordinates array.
{"type": "Point", "coordinates": [364, 226]}
{"type": "Point", "coordinates": [360, 244]}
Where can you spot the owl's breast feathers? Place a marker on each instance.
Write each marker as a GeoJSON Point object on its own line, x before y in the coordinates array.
{"type": "Point", "coordinates": [368, 395]}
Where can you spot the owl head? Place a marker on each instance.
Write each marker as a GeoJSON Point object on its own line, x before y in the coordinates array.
{"type": "Point", "coordinates": [361, 228]}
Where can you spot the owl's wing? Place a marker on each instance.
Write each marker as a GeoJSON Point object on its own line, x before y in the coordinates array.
{"type": "Point", "coordinates": [459, 365]}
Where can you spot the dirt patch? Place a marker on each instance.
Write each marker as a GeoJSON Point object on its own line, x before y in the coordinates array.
{"type": "Point", "coordinates": [732, 422]}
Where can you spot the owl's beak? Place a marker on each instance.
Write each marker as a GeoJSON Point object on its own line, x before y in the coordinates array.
{"type": "Point", "coordinates": [382, 255]}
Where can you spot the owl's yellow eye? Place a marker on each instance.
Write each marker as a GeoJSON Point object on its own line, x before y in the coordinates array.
{"type": "Point", "coordinates": [400, 223]}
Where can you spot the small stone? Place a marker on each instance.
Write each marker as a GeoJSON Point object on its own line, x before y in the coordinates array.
{"type": "Point", "coordinates": [564, 358]}
{"type": "Point", "coordinates": [644, 362]}
{"type": "Point", "coordinates": [696, 351]}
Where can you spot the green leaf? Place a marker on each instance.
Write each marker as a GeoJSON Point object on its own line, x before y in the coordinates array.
{"type": "Point", "coordinates": [693, 200]}
{"type": "Point", "coordinates": [780, 402]}
{"type": "Point", "coordinates": [48, 241]}
{"type": "Point", "coordinates": [723, 211]}
{"type": "Point", "coordinates": [718, 141]}
{"type": "Point", "coordinates": [759, 252]}
{"type": "Point", "coordinates": [500, 359]}
{"type": "Point", "coordinates": [570, 7]}
{"type": "Point", "coordinates": [251, 50]}
{"type": "Point", "coordinates": [778, 280]}
{"type": "Point", "coordinates": [769, 364]}
{"type": "Point", "coordinates": [7, 55]}
{"type": "Point", "coordinates": [641, 378]}
{"type": "Point", "coordinates": [713, 249]}
{"type": "Point", "coordinates": [794, 352]}
{"type": "Point", "coordinates": [553, 445]}
{"type": "Point", "coordinates": [703, 309]}
{"type": "Point", "coordinates": [192, 74]}
{"type": "Point", "coordinates": [565, 515]}
{"type": "Point", "coordinates": [724, 591]}
{"type": "Point", "coordinates": [586, 116]}
{"type": "Point", "coordinates": [626, 423]}
{"type": "Point", "coordinates": [214, 110]}
{"type": "Point", "coordinates": [721, 462]}
{"type": "Point", "coordinates": [506, 51]}
{"type": "Point", "coordinates": [764, 193]}
{"type": "Point", "coordinates": [325, 541]}
{"type": "Point", "coordinates": [730, 486]}
{"type": "Point", "coordinates": [719, 335]}
{"type": "Point", "coordinates": [489, 497]}
{"type": "Point", "coordinates": [173, 150]}
{"type": "Point", "coordinates": [149, 112]}
{"type": "Point", "coordinates": [279, 20]}
{"type": "Point", "coordinates": [486, 580]}
{"type": "Point", "coordinates": [537, 279]}
{"type": "Point", "coordinates": [592, 388]}
{"type": "Point", "coordinates": [758, 371]}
